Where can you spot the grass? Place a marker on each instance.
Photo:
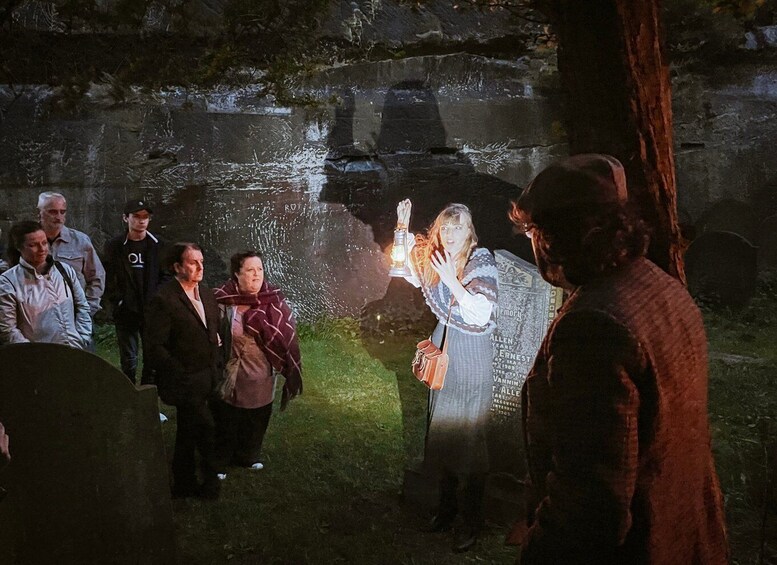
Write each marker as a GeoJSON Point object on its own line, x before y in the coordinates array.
{"type": "Point", "coordinates": [330, 491]}
{"type": "Point", "coordinates": [743, 418]}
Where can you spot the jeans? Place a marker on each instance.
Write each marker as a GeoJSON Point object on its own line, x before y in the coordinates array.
{"type": "Point", "coordinates": [129, 338]}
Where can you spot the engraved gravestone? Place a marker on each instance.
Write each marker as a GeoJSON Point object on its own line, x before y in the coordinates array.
{"type": "Point", "coordinates": [527, 304]}
{"type": "Point", "coordinates": [88, 479]}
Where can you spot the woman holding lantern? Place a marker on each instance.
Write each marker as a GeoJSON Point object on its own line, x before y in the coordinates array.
{"type": "Point", "coordinates": [459, 283]}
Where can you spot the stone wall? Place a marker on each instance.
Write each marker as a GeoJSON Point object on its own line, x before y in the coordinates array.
{"type": "Point", "coordinates": [231, 170]}
{"type": "Point", "coordinates": [315, 187]}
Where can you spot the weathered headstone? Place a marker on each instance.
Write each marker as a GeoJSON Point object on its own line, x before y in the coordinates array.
{"type": "Point", "coordinates": [721, 268]}
{"type": "Point", "coordinates": [527, 304]}
{"type": "Point", "coordinates": [767, 248]}
{"type": "Point", "coordinates": [730, 215]}
{"type": "Point", "coordinates": [88, 479]}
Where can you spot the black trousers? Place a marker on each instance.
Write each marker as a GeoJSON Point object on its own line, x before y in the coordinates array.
{"type": "Point", "coordinates": [195, 433]}
{"type": "Point", "coordinates": [239, 433]}
{"type": "Point", "coordinates": [471, 501]}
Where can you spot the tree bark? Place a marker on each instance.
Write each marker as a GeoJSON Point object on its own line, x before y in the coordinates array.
{"type": "Point", "coordinates": [617, 91]}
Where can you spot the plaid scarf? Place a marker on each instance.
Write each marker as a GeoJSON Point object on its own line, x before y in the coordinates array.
{"type": "Point", "coordinates": [270, 320]}
{"type": "Point", "coordinates": [479, 277]}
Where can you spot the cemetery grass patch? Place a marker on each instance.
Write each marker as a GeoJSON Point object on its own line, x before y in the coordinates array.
{"type": "Point", "coordinates": [334, 462]}
{"type": "Point", "coordinates": [330, 492]}
{"type": "Point", "coordinates": [743, 419]}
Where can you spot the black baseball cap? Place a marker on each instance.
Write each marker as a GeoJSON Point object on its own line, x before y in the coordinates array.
{"type": "Point", "coordinates": [133, 206]}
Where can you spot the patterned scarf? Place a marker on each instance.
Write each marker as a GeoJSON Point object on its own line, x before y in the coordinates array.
{"type": "Point", "coordinates": [270, 320]}
{"type": "Point", "coordinates": [479, 277]}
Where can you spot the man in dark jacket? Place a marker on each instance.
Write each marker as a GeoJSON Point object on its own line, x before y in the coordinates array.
{"type": "Point", "coordinates": [615, 406]}
{"type": "Point", "coordinates": [134, 271]}
{"type": "Point", "coordinates": [183, 349]}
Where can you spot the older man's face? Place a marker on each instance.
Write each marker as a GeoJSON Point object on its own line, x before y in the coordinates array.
{"type": "Point", "coordinates": [52, 215]}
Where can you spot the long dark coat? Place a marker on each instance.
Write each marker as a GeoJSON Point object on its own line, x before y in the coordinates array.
{"type": "Point", "coordinates": [183, 352]}
{"type": "Point", "coordinates": [616, 429]}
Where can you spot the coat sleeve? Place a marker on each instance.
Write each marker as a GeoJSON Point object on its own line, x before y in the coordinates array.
{"type": "Point", "coordinates": [590, 473]}
{"type": "Point", "coordinates": [111, 290]}
{"type": "Point", "coordinates": [83, 317]}
{"type": "Point", "coordinates": [9, 330]}
{"type": "Point", "coordinates": [94, 275]}
{"type": "Point", "coordinates": [158, 327]}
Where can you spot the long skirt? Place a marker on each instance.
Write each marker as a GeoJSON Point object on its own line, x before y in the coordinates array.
{"type": "Point", "coordinates": [458, 413]}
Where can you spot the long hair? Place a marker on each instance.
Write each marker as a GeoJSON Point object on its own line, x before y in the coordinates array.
{"type": "Point", "coordinates": [584, 242]}
{"type": "Point", "coordinates": [457, 214]}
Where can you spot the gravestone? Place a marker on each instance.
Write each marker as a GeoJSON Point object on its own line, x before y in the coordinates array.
{"type": "Point", "coordinates": [527, 304]}
{"type": "Point", "coordinates": [88, 479]}
{"type": "Point", "coordinates": [730, 215]}
{"type": "Point", "coordinates": [721, 268]}
{"type": "Point", "coordinates": [767, 248]}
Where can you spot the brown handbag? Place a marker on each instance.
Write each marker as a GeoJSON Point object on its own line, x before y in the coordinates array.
{"type": "Point", "coordinates": [430, 362]}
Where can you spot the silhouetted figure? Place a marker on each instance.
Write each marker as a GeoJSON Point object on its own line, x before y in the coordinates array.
{"type": "Point", "coordinates": [411, 160]}
{"type": "Point", "coordinates": [615, 406]}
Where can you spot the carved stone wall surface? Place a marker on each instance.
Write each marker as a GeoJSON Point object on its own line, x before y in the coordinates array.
{"type": "Point", "coordinates": [313, 189]}
{"type": "Point", "coordinates": [316, 188]}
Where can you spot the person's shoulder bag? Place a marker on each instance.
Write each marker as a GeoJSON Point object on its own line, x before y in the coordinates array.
{"type": "Point", "coordinates": [430, 362]}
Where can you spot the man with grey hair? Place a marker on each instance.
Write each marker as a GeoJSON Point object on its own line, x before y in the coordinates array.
{"type": "Point", "coordinates": [72, 247]}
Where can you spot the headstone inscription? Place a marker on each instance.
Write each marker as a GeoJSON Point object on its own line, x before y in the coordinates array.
{"type": "Point", "coordinates": [527, 304]}
{"type": "Point", "coordinates": [88, 479]}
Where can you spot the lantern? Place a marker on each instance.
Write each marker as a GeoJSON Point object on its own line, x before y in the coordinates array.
{"type": "Point", "coordinates": [399, 253]}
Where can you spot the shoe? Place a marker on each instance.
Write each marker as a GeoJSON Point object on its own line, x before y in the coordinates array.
{"type": "Point", "coordinates": [256, 466]}
{"type": "Point", "coordinates": [162, 418]}
{"type": "Point", "coordinates": [440, 523]}
{"type": "Point", "coordinates": [464, 539]}
{"type": "Point", "coordinates": [221, 476]}
{"type": "Point", "coordinates": [185, 492]}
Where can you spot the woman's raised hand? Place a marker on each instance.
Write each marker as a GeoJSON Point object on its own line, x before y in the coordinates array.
{"type": "Point", "coordinates": [442, 262]}
{"type": "Point", "coordinates": [403, 212]}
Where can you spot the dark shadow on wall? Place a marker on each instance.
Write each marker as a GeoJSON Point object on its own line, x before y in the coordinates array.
{"type": "Point", "coordinates": [411, 160]}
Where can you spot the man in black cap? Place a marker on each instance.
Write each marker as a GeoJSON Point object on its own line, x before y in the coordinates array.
{"type": "Point", "coordinates": [134, 272]}
{"type": "Point", "coordinates": [615, 406]}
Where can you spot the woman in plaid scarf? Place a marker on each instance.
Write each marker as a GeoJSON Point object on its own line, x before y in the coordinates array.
{"type": "Point", "coordinates": [260, 338]}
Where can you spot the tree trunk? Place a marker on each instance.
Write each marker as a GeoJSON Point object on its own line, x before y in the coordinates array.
{"type": "Point", "coordinates": [618, 101]}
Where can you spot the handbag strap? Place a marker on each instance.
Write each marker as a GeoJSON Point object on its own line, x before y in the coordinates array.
{"type": "Point", "coordinates": [445, 331]}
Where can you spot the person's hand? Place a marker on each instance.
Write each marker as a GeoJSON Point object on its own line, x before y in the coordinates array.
{"type": "Point", "coordinates": [5, 454]}
{"type": "Point", "coordinates": [291, 389]}
{"type": "Point", "coordinates": [443, 264]}
{"type": "Point", "coordinates": [403, 212]}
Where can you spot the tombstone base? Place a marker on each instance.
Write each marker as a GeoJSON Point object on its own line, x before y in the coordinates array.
{"type": "Point", "coordinates": [503, 501]}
